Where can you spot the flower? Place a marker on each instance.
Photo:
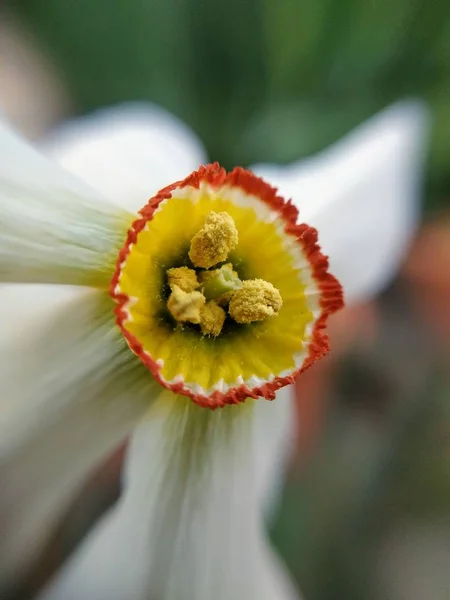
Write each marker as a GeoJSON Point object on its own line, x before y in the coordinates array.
{"type": "Point", "coordinates": [190, 228]}
{"type": "Point", "coordinates": [74, 383]}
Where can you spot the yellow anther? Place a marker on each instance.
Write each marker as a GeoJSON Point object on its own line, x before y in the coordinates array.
{"type": "Point", "coordinates": [212, 318]}
{"type": "Point", "coordinates": [214, 241]}
{"type": "Point", "coordinates": [185, 306]}
{"type": "Point", "coordinates": [256, 300]}
{"type": "Point", "coordinates": [183, 277]}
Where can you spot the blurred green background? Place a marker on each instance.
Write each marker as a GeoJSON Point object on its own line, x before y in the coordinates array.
{"type": "Point", "coordinates": [366, 511]}
{"type": "Point", "coordinates": [258, 80]}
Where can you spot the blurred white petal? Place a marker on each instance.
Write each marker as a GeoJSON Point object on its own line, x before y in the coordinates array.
{"type": "Point", "coordinates": [128, 152]}
{"type": "Point", "coordinates": [362, 195]}
{"type": "Point", "coordinates": [70, 391]}
{"type": "Point", "coordinates": [274, 430]}
{"type": "Point", "coordinates": [52, 228]}
{"type": "Point", "coordinates": [187, 526]}
{"type": "Point", "coordinates": [24, 305]}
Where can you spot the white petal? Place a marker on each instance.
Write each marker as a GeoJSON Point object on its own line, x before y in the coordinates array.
{"type": "Point", "coordinates": [274, 439]}
{"type": "Point", "coordinates": [52, 228]}
{"type": "Point", "coordinates": [362, 195]}
{"type": "Point", "coordinates": [188, 525]}
{"type": "Point", "coordinates": [128, 152]}
{"type": "Point", "coordinates": [70, 390]}
{"type": "Point", "coordinates": [24, 308]}
{"type": "Point", "coordinates": [25, 304]}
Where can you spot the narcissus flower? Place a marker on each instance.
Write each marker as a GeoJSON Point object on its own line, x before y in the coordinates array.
{"type": "Point", "coordinates": [179, 321]}
{"type": "Point", "coordinates": [223, 340]}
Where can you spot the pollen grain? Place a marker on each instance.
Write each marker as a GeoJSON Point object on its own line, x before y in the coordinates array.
{"type": "Point", "coordinates": [212, 244]}
{"type": "Point", "coordinates": [256, 300]}
{"type": "Point", "coordinates": [185, 306]}
{"type": "Point", "coordinates": [212, 318]}
{"type": "Point", "coordinates": [183, 277]}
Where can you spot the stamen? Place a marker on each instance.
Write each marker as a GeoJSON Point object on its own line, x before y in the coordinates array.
{"type": "Point", "coordinates": [212, 244]}
{"type": "Point", "coordinates": [255, 301]}
{"type": "Point", "coordinates": [185, 306]}
{"type": "Point", "coordinates": [183, 277]}
{"type": "Point", "coordinates": [212, 318]}
{"type": "Point", "coordinates": [219, 284]}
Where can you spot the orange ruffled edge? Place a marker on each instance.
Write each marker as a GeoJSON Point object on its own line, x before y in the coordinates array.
{"type": "Point", "coordinates": [331, 293]}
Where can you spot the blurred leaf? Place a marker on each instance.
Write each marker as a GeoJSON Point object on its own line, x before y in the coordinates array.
{"type": "Point", "coordinates": [288, 131]}
{"type": "Point", "coordinates": [115, 50]}
{"type": "Point", "coordinates": [257, 80]}
{"type": "Point", "coordinates": [421, 473]}
{"type": "Point", "coordinates": [439, 160]}
{"type": "Point", "coordinates": [294, 34]}
{"type": "Point", "coordinates": [227, 74]}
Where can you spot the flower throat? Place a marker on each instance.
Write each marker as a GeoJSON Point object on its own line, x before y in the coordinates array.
{"type": "Point", "coordinates": [204, 295]}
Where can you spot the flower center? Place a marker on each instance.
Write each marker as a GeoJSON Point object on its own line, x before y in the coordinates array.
{"type": "Point", "coordinates": [194, 301]}
{"type": "Point", "coordinates": [206, 297]}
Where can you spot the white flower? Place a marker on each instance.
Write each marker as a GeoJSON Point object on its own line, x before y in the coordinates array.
{"type": "Point", "coordinates": [188, 524]}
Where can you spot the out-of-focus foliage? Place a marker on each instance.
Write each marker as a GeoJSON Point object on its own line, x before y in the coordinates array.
{"type": "Point", "coordinates": [258, 80]}
{"type": "Point", "coordinates": [381, 466]}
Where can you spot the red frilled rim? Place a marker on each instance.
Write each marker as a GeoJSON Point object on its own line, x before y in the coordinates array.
{"type": "Point", "coordinates": [331, 298]}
